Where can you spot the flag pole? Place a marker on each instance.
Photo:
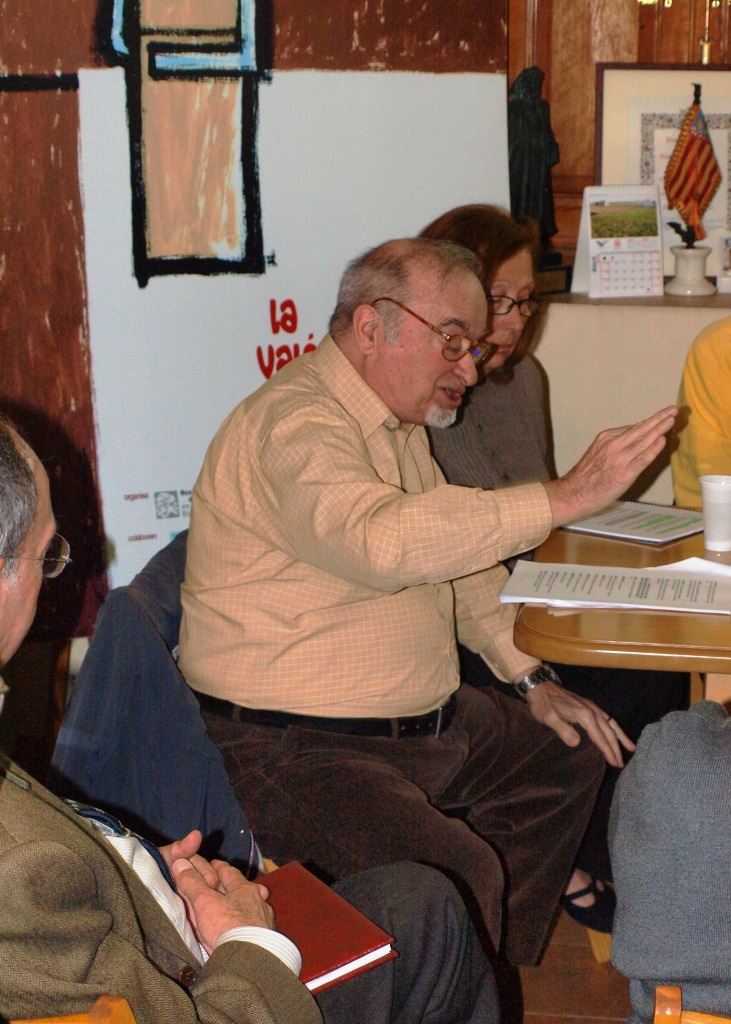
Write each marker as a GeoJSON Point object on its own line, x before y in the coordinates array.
{"type": "Point", "coordinates": [706, 42]}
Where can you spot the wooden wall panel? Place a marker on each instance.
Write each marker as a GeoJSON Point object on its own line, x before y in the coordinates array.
{"type": "Point", "coordinates": [530, 28]}
{"type": "Point", "coordinates": [582, 36]}
{"type": "Point", "coordinates": [665, 33]}
{"type": "Point", "coordinates": [42, 37]}
{"type": "Point", "coordinates": [44, 353]}
{"type": "Point", "coordinates": [672, 34]}
{"type": "Point", "coordinates": [397, 35]}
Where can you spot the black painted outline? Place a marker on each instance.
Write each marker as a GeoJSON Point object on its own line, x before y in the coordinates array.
{"type": "Point", "coordinates": [39, 83]}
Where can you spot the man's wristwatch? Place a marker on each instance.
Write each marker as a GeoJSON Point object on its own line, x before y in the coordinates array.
{"type": "Point", "coordinates": [542, 674]}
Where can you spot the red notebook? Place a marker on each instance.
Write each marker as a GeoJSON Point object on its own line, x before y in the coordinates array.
{"type": "Point", "coordinates": [335, 939]}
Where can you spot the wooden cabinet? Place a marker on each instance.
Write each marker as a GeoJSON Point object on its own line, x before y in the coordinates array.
{"type": "Point", "coordinates": [568, 38]}
{"type": "Point", "coordinates": [670, 31]}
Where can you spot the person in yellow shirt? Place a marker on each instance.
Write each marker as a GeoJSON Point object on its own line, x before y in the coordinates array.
{"type": "Point", "coordinates": [703, 430]}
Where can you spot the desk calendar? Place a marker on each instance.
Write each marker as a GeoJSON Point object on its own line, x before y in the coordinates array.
{"type": "Point", "coordinates": [619, 249]}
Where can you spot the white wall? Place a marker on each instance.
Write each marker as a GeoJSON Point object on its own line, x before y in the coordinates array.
{"type": "Point", "coordinates": [613, 363]}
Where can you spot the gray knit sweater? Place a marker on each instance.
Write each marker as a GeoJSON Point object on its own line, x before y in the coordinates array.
{"type": "Point", "coordinates": [670, 844]}
{"type": "Point", "coordinates": [500, 439]}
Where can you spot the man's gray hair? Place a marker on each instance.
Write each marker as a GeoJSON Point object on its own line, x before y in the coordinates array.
{"type": "Point", "coordinates": [388, 270]}
{"type": "Point", "coordinates": [18, 495]}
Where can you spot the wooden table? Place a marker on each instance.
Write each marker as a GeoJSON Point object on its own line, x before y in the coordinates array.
{"type": "Point", "coordinates": [673, 641]}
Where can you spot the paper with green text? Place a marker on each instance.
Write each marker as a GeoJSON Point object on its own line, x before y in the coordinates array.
{"type": "Point", "coordinates": [640, 520]}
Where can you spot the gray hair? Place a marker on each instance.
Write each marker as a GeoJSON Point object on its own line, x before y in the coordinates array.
{"type": "Point", "coordinates": [18, 495]}
{"type": "Point", "coordinates": [388, 269]}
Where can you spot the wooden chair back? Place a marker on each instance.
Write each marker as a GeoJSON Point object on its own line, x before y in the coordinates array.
{"type": "Point", "coordinates": [106, 1010]}
{"type": "Point", "coordinates": [669, 1009]}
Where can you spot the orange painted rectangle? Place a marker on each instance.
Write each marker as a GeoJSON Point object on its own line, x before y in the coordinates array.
{"type": "Point", "coordinates": [188, 15]}
{"type": "Point", "coordinates": [192, 168]}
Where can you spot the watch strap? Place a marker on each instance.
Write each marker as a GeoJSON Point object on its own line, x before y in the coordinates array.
{"type": "Point", "coordinates": [528, 682]}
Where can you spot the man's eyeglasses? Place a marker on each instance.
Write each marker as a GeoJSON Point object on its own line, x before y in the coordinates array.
{"type": "Point", "coordinates": [55, 560]}
{"type": "Point", "coordinates": [501, 305]}
{"type": "Point", "coordinates": [455, 345]}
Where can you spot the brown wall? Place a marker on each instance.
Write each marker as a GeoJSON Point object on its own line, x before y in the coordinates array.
{"type": "Point", "coordinates": [44, 351]}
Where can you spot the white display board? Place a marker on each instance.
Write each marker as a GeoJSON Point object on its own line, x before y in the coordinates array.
{"type": "Point", "coordinates": [346, 160]}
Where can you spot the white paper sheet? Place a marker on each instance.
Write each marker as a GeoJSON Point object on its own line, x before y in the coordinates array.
{"type": "Point", "coordinates": [691, 588]}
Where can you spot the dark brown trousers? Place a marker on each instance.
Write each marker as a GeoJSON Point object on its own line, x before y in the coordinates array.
{"type": "Point", "coordinates": [498, 803]}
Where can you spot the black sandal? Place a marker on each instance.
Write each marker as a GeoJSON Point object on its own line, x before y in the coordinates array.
{"type": "Point", "coordinates": [600, 915]}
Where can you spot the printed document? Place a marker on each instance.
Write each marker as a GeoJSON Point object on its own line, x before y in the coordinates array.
{"type": "Point", "coordinates": [691, 586]}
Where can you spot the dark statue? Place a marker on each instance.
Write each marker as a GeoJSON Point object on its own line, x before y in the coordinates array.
{"type": "Point", "coordinates": [532, 152]}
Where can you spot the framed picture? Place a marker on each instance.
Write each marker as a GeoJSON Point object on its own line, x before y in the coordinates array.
{"type": "Point", "coordinates": [639, 111]}
{"type": "Point", "coordinates": [723, 280]}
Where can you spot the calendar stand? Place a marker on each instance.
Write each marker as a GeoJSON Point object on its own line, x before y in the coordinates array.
{"type": "Point", "coordinates": [619, 249]}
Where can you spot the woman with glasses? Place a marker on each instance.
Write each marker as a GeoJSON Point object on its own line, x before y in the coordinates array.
{"type": "Point", "coordinates": [500, 439]}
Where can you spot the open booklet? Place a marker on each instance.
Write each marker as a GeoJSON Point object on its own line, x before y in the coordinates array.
{"type": "Point", "coordinates": [694, 585]}
{"type": "Point", "coordinates": [640, 520]}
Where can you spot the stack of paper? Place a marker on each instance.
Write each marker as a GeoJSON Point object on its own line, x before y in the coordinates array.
{"type": "Point", "coordinates": [694, 585]}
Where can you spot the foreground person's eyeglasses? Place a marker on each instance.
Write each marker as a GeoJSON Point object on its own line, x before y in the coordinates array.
{"type": "Point", "coordinates": [455, 345]}
{"type": "Point", "coordinates": [55, 560]}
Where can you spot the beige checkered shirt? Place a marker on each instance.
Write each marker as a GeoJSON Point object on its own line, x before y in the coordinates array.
{"type": "Point", "coordinates": [327, 558]}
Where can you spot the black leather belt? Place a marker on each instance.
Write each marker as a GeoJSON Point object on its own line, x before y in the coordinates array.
{"type": "Point", "coordinates": [433, 723]}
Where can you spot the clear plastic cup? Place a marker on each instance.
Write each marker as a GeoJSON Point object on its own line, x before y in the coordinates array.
{"type": "Point", "coordinates": [716, 497]}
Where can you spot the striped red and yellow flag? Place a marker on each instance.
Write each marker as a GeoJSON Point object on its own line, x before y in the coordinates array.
{"type": "Point", "coordinates": [692, 175]}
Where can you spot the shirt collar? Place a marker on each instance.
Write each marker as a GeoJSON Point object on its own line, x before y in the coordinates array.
{"type": "Point", "coordinates": [347, 386]}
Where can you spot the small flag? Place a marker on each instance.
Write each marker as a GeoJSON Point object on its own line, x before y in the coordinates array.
{"type": "Point", "coordinates": [692, 175]}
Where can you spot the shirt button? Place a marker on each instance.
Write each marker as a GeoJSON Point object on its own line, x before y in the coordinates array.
{"type": "Point", "coordinates": [187, 975]}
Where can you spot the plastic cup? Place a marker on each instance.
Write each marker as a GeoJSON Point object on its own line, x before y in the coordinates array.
{"type": "Point", "coordinates": [716, 497]}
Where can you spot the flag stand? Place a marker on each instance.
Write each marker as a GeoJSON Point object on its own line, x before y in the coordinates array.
{"type": "Point", "coordinates": [690, 271]}
{"type": "Point", "coordinates": [692, 177]}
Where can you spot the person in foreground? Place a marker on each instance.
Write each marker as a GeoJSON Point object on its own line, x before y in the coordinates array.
{"type": "Point", "coordinates": [501, 439]}
{"type": "Point", "coordinates": [84, 913]}
{"type": "Point", "coordinates": [669, 838]}
{"type": "Point", "coordinates": [704, 436]}
{"type": "Point", "coordinates": [327, 565]}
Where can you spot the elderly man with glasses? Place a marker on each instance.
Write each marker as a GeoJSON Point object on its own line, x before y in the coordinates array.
{"type": "Point", "coordinates": [329, 571]}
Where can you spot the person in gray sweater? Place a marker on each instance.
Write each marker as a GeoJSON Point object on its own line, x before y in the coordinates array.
{"type": "Point", "coordinates": [502, 438]}
{"type": "Point", "coordinates": [669, 841]}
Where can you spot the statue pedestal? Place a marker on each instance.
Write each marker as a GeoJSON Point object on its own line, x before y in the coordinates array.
{"type": "Point", "coordinates": [690, 271]}
{"type": "Point", "coordinates": [552, 274]}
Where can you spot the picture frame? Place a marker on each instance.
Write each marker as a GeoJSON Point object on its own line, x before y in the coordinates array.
{"type": "Point", "coordinates": [639, 111]}
{"type": "Point", "coordinates": [723, 278]}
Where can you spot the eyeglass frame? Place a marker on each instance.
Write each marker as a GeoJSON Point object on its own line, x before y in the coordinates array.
{"type": "Point", "coordinates": [62, 560]}
{"type": "Point", "coordinates": [492, 299]}
{"type": "Point", "coordinates": [472, 346]}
